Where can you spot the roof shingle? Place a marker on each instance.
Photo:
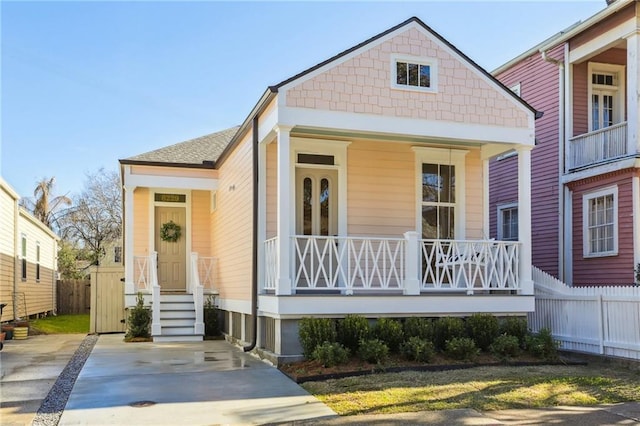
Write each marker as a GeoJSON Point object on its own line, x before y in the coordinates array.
{"type": "Point", "coordinates": [193, 151]}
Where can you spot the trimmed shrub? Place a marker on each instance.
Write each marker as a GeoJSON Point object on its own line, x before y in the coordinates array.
{"type": "Point", "coordinates": [483, 329]}
{"type": "Point", "coordinates": [419, 327]}
{"type": "Point", "coordinates": [517, 327]}
{"type": "Point", "coordinates": [505, 347]}
{"type": "Point", "coordinates": [447, 328]}
{"type": "Point", "coordinates": [351, 330]}
{"type": "Point", "coordinates": [542, 345]}
{"type": "Point", "coordinates": [330, 354]}
{"type": "Point", "coordinates": [139, 320]}
{"type": "Point", "coordinates": [390, 332]}
{"type": "Point", "coordinates": [463, 348]}
{"type": "Point", "coordinates": [373, 351]}
{"type": "Point", "coordinates": [313, 332]}
{"type": "Point", "coordinates": [417, 349]}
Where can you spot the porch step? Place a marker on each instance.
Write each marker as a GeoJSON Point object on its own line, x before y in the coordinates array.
{"type": "Point", "coordinates": [177, 338]}
{"type": "Point", "coordinates": [177, 318]}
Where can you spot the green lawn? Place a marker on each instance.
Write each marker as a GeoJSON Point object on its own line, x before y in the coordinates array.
{"type": "Point", "coordinates": [482, 388]}
{"type": "Point", "coordinates": [61, 324]}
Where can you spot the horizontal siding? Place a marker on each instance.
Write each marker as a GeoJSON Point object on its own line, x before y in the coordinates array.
{"type": "Point", "coordinates": [183, 172]}
{"type": "Point", "coordinates": [272, 189]}
{"type": "Point", "coordinates": [7, 212]}
{"type": "Point", "coordinates": [7, 264]}
{"type": "Point", "coordinates": [611, 269]}
{"type": "Point", "coordinates": [380, 189]}
{"type": "Point", "coordinates": [201, 223]}
{"type": "Point", "coordinates": [141, 219]}
{"type": "Point", "coordinates": [232, 223]}
{"type": "Point", "coordinates": [603, 26]}
{"type": "Point", "coordinates": [474, 204]}
{"type": "Point", "coordinates": [36, 296]}
{"type": "Point", "coordinates": [539, 86]}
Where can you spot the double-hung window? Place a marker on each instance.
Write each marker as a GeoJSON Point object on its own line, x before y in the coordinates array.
{"type": "Point", "coordinates": [508, 222]}
{"type": "Point", "coordinates": [23, 255]}
{"type": "Point", "coordinates": [600, 223]}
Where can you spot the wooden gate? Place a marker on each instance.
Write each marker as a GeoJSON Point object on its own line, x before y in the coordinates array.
{"type": "Point", "coordinates": [107, 300]}
{"type": "Point", "coordinates": [73, 297]}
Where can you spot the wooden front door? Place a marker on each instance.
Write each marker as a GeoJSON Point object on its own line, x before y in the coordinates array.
{"type": "Point", "coordinates": [172, 256]}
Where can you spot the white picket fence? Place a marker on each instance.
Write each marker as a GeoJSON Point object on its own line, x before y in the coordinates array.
{"type": "Point", "coordinates": [599, 320]}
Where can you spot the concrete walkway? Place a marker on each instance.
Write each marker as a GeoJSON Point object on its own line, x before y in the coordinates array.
{"type": "Point", "coordinates": [28, 369]}
{"type": "Point", "coordinates": [210, 382]}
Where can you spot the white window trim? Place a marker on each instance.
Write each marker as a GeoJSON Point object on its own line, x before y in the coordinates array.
{"type": "Point", "coordinates": [585, 221]}
{"type": "Point", "coordinates": [38, 267]}
{"type": "Point", "coordinates": [620, 92]}
{"type": "Point", "coordinates": [456, 158]}
{"type": "Point", "coordinates": [336, 148]}
{"type": "Point", "coordinates": [433, 73]}
{"type": "Point", "coordinates": [24, 254]}
{"type": "Point", "coordinates": [501, 208]}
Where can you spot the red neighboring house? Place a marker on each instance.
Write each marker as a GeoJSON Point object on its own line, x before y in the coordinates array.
{"type": "Point", "coordinates": [585, 167]}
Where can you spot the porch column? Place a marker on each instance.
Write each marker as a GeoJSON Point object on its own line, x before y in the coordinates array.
{"type": "Point", "coordinates": [411, 262]}
{"type": "Point", "coordinates": [485, 200]}
{"type": "Point", "coordinates": [633, 92]}
{"type": "Point", "coordinates": [129, 287]}
{"type": "Point", "coordinates": [524, 218]}
{"type": "Point", "coordinates": [284, 219]}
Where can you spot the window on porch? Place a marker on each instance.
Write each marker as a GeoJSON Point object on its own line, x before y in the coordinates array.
{"type": "Point", "coordinates": [600, 223]}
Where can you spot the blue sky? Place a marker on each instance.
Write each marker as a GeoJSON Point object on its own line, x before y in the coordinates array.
{"type": "Point", "coordinates": [87, 83]}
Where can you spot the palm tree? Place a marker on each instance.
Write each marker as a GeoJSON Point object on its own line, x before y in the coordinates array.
{"type": "Point", "coordinates": [46, 207]}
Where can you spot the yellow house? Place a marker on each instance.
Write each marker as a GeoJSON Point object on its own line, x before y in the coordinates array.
{"type": "Point", "coordinates": [357, 186]}
{"type": "Point", "coordinates": [28, 260]}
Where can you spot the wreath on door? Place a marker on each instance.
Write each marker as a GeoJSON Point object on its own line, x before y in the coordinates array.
{"type": "Point", "coordinates": [170, 232]}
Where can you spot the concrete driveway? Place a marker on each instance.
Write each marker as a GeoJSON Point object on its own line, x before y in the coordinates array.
{"type": "Point", "coordinates": [210, 382]}
{"type": "Point", "coordinates": [28, 369]}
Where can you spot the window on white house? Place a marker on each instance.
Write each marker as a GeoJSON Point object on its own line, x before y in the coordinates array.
{"type": "Point", "coordinates": [508, 222]}
{"type": "Point", "coordinates": [606, 99]}
{"type": "Point", "coordinates": [37, 261]}
{"type": "Point", "coordinates": [414, 73]}
{"type": "Point", "coordinates": [23, 256]}
{"type": "Point", "coordinates": [600, 224]}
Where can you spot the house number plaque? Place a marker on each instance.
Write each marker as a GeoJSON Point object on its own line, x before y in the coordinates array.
{"type": "Point", "coordinates": [171, 198]}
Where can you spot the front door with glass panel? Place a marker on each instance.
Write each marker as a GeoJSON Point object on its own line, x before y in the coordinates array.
{"type": "Point", "coordinates": [317, 215]}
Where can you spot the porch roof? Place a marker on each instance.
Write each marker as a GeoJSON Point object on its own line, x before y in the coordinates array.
{"type": "Point", "coordinates": [201, 151]}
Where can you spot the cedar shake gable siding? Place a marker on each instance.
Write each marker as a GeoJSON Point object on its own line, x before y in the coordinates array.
{"type": "Point", "coordinates": [362, 84]}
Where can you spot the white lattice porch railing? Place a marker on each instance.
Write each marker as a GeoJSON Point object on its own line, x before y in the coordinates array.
{"type": "Point", "coordinates": [141, 278]}
{"type": "Point", "coordinates": [271, 263]}
{"type": "Point", "coordinates": [207, 270]}
{"type": "Point", "coordinates": [599, 145]}
{"type": "Point", "coordinates": [454, 265]}
{"type": "Point", "coordinates": [346, 264]}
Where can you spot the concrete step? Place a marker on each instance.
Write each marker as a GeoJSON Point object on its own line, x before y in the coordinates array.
{"type": "Point", "coordinates": [177, 338]}
{"type": "Point", "coordinates": [173, 330]}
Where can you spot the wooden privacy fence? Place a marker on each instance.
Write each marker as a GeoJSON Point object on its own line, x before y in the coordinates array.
{"type": "Point", "coordinates": [73, 296]}
{"type": "Point", "coordinates": [597, 320]}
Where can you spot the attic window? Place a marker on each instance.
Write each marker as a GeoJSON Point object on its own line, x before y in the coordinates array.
{"type": "Point", "coordinates": [412, 73]}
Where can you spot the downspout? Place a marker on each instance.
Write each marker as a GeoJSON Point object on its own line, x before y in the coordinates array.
{"type": "Point", "coordinates": [254, 239]}
{"type": "Point", "coordinates": [561, 152]}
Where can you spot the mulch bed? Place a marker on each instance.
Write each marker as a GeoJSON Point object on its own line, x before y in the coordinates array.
{"type": "Point", "coordinates": [313, 371]}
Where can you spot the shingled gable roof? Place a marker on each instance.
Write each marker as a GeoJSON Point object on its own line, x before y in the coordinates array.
{"type": "Point", "coordinates": [163, 156]}
{"type": "Point", "coordinates": [199, 152]}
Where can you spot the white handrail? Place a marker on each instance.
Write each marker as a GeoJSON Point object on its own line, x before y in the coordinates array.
{"type": "Point", "coordinates": [469, 265]}
{"type": "Point", "coordinates": [197, 291]}
{"type": "Point", "coordinates": [326, 263]}
{"type": "Point", "coordinates": [156, 328]}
